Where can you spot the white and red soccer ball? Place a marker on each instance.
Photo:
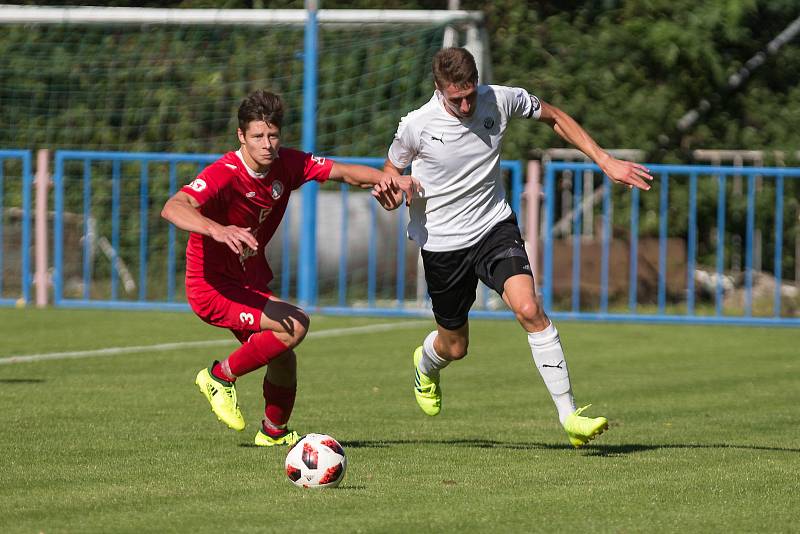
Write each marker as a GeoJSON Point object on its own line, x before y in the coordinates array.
{"type": "Point", "coordinates": [316, 461]}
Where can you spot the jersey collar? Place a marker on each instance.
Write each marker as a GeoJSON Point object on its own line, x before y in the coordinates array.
{"type": "Point", "coordinates": [251, 172]}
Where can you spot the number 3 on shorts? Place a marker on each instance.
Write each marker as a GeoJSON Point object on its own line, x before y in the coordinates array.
{"type": "Point", "coordinates": [247, 318]}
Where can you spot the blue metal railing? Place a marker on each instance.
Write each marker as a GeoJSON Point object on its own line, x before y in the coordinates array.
{"type": "Point", "coordinates": [665, 176]}
{"type": "Point", "coordinates": [123, 190]}
{"type": "Point", "coordinates": [119, 188]}
{"type": "Point", "coordinates": [90, 201]}
{"type": "Point", "coordinates": [24, 158]}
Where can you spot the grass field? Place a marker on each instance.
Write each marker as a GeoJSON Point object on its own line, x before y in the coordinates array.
{"type": "Point", "coordinates": [704, 431]}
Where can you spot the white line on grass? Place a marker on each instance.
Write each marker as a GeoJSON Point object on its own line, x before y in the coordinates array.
{"type": "Point", "coordinates": [114, 351]}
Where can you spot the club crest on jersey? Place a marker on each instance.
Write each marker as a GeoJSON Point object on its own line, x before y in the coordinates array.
{"type": "Point", "coordinates": [198, 184]}
{"type": "Point", "coordinates": [277, 189]}
{"type": "Point", "coordinates": [319, 160]}
{"type": "Point", "coordinates": [488, 122]}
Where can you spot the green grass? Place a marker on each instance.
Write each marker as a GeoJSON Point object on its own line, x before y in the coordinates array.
{"type": "Point", "coordinates": [704, 432]}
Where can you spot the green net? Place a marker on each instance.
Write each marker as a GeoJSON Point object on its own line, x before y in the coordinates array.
{"type": "Point", "coordinates": [177, 88]}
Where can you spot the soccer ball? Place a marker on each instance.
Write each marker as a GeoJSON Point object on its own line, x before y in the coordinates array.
{"type": "Point", "coordinates": [316, 461]}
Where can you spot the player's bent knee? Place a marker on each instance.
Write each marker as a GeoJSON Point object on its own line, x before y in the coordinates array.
{"type": "Point", "coordinates": [529, 312]}
{"type": "Point", "coordinates": [455, 351]}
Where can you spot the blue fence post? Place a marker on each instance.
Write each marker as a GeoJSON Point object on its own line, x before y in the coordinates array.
{"type": "Point", "coordinates": [2, 205]}
{"type": "Point", "coordinates": [776, 306]}
{"type": "Point", "coordinates": [662, 241]}
{"type": "Point", "coordinates": [721, 193]}
{"type": "Point", "coordinates": [748, 252]}
{"type": "Point", "coordinates": [115, 209]}
{"type": "Point", "coordinates": [401, 257]}
{"type": "Point", "coordinates": [633, 283]}
{"type": "Point", "coordinates": [58, 228]}
{"type": "Point", "coordinates": [27, 184]}
{"type": "Point", "coordinates": [343, 246]}
{"type": "Point", "coordinates": [577, 231]}
{"type": "Point", "coordinates": [692, 243]}
{"type": "Point", "coordinates": [144, 196]}
{"type": "Point", "coordinates": [607, 214]}
{"type": "Point", "coordinates": [549, 209]}
{"type": "Point", "coordinates": [87, 230]}
{"type": "Point", "coordinates": [307, 261]}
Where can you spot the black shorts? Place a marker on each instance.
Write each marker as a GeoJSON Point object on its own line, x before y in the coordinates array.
{"type": "Point", "coordinates": [452, 276]}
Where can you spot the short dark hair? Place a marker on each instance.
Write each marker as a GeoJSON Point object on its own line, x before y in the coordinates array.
{"type": "Point", "coordinates": [454, 66]}
{"type": "Point", "coordinates": [261, 106]}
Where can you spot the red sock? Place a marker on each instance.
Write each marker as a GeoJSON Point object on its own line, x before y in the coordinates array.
{"type": "Point", "coordinates": [279, 401]}
{"type": "Point", "coordinates": [220, 373]}
{"type": "Point", "coordinates": [255, 352]}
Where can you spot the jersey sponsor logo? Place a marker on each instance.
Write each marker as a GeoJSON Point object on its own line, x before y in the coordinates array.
{"type": "Point", "coordinates": [198, 184]}
{"type": "Point", "coordinates": [488, 122]}
{"type": "Point", "coordinates": [231, 166]}
{"type": "Point", "coordinates": [250, 194]}
{"type": "Point", "coordinates": [263, 214]}
{"type": "Point", "coordinates": [319, 160]}
{"type": "Point", "coordinates": [277, 188]}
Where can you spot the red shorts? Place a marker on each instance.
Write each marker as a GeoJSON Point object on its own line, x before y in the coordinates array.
{"type": "Point", "coordinates": [228, 306]}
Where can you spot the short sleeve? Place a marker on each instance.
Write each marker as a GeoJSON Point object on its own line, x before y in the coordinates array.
{"type": "Point", "coordinates": [404, 146]}
{"type": "Point", "coordinates": [521, 103]}
{"type": "Point", "coordinates": [317, 168]}
{"type": "Point", "coordinates": [207, 184]}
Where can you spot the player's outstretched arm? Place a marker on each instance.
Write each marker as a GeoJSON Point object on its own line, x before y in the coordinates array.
{"type": "Point", "coordinates": [394, 186]}
{"type": "Point", "coordinates": [387, 189]}
{"type": "Point", "coordinates": [619, 171]}
{"type": "Point", "coordinates": [181, 210]}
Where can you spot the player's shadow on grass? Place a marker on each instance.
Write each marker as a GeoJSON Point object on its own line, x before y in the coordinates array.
{"type": "Point", "coordinates": [593, 449]}
{"type": "Point", "coordinates": [21, 380]}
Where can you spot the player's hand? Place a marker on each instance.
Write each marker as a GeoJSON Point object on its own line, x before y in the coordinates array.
{"type": "Point", "coordinates": [391, 189]}
{"type": "Point", "coordinates": [628, 173]}
{"type": "Point", "coordinates": [235, 237]}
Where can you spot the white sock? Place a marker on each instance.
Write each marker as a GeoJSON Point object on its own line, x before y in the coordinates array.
{"type": "Point", "coordinates": [549, 359]}
{"type": "Point", "coordinates": [431, 362]}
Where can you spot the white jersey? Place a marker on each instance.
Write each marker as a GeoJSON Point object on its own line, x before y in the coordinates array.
{"type": "Point", "coordinates": [457, 162]}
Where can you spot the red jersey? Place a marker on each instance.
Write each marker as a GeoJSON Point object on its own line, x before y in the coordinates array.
{"type": "Point", "coordinates": [230, 195]}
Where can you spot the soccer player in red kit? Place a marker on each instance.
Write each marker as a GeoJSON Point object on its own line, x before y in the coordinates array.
{"type": "Point", "coordinates": [231, 210]}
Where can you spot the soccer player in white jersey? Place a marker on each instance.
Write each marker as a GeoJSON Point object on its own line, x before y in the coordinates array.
{"type": "Point", "coordinates": [468, 232]}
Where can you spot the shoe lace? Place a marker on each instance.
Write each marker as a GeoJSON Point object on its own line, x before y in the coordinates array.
{"type": "Point", "coordinates": [230, 392]}
{"type": "Point", "coordinates": [579, 411]}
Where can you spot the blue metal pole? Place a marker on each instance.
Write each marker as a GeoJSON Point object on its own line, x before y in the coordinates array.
{"type": "Point", "coordinates": [27, 181]}
{"type": "Point", "coordinates": [173, 179]}
{"type": "Point", "coordinates": [748, 253]}
{"type": "Point", "coordinates": [549, 207]}
{"type": "Point", "coordinates": [343, 248]}
{"type": "Point", "coordinates": [307, 262]}
{"type": "Point", "coordinates": [634, 251]}
{"type": "Point", "coordinates": [662, 242]}
{"type": "Point", "coordinates": [115, 208]}
{"type": "Point", "coordinates": [692, 245]}
{"type": "Point", "coordinates": [87, 218]}
{"type": "Point", "coordinates": [606, 244]}
{"type": "Point", "coordinates": [372, 255]}
{"type": "Point", "coordinates": [720, 241]}
{"type": "Point", "coordinates": [778, 271]}
{"type": "Point", "coordinates": [577, 229]}
{"type": "Point", "coordinates": [24, 217]}
{"type": "Point", "coordinates": [401, 257]}
{"type": "Point", "coordinates": [58, 228]}
{"type": "Point", "coordinates": [144, 197]}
